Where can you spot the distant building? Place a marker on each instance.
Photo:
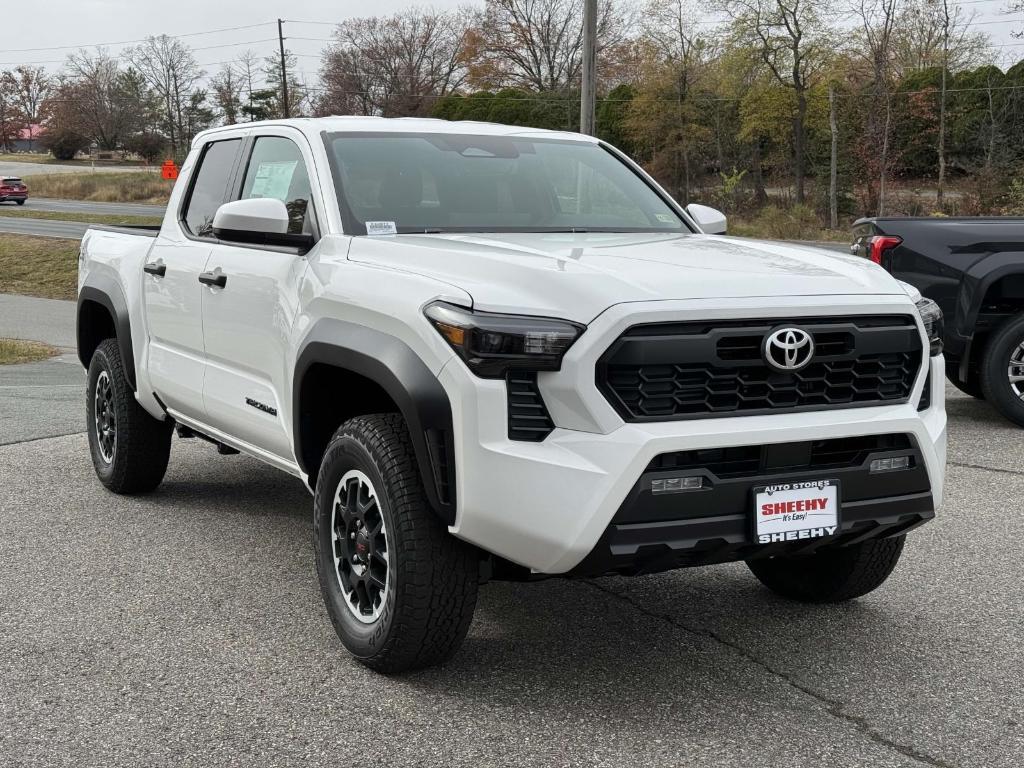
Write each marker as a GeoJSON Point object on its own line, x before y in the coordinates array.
{"type": "Point", "coordinates": [27, 139]}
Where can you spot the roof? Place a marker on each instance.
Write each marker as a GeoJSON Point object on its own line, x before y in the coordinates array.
{"type": "Point", "coordinates": [359, 124]}
{"type": "Point", "coordinates": [33, 131]}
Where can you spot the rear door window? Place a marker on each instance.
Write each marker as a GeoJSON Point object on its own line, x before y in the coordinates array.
{"type": "Point", "coordinates": [210, 186]}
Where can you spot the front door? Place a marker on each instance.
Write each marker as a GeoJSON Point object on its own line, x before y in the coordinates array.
{"type": "Point", "coordinates": [248, 321]}
{"type": "Point", "coordinates": [171, 289]}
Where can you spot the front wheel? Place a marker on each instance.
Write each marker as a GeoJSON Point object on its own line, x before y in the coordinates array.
{"type": "Point", "coordinates": [831, 575]}
{"type": "Point", "coordinates": [1002, 370]}
{"type": "Point", "coordinates": [129, 447]}
{"type": "Point", "coordinates": [400, 590]}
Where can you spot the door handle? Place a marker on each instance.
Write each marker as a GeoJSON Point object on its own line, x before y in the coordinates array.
{"type": "Point", "coordinates": [155, 268]}
{"type": "Point", "coordinates": [218, 279]}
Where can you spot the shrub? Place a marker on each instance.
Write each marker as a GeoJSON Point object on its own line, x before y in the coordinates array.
{"type": "Point", "coordinates": [798, 222]}
{"type": "Point", "coordinates": [63, 143]}
{"type": "Point", "coordinates": [1013, 200]}
{"type": "Point", "coordinates": [148, 146]}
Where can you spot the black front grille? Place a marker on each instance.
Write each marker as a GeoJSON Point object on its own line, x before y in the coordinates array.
{"type": "Point", "coordinates": [528, 417]}
{"type": "Point", "coordinates": [698, 369]}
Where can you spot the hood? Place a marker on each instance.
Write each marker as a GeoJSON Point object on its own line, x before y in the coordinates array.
{"type": "Point", "coordinates": [578, 276]}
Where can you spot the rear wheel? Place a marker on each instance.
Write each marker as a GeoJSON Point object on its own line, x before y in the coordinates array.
{"type": "Point", "coordinates": [1002, 370]}
{"type": "Point", "coordinates": [129, 448]}
{"type": "Point", "coordinates": [400, 590]}
{"type": "Point", "coordinates": [831, 575]}
{"type": "Point", "coordinates": [20, 202]}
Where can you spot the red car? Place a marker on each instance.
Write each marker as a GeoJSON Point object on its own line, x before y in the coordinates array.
{"type": "Point", "coordinates": [12, 188]}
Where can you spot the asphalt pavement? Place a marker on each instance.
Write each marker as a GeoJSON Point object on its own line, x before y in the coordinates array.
{"type": "Point", "coordinates": [88, 206]}
{"type": "Point", "coordinates": [41, 399]}
{"type": "Point", "coordinates": [185, 628]}
{"type": "Point", "coordinates": [71, 230]}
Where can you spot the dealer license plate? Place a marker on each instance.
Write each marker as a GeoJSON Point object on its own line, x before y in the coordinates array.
{"type": "Point", "coordinates": [806, 509]}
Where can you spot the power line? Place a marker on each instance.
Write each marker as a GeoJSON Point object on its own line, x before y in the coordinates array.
{"type": "Point", "coordinates": [232, 45]}
{"type": "Point", "coordinates": [132, 42]}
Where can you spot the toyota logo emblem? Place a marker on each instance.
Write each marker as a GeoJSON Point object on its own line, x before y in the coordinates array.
{"type": "Point", "coordinates": [788, 349]}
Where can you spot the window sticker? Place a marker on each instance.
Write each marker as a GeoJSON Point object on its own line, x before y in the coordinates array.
{"type": "Point", "coordinates": [665, 217]}
{"type": "Point", "coordinates": [274, 179]}
{"type": "Point", "coordinates": [381, 228]}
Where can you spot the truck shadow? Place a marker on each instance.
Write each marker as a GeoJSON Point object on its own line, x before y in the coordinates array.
{"type": "Point", "coordinates": [706, 642]}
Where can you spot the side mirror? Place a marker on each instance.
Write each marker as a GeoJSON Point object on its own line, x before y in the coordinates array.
{"type": "Point", "coordinates": [711, 221]}
{"type": "Point", "coordinates": [257, 220]}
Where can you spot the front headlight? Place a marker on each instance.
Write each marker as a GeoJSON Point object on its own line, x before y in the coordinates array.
{"type": "Point", "coordinates": [931, 316]}
{"type": "Point", "coordinates": [492, 344]}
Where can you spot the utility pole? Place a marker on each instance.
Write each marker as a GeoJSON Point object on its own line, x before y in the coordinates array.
{"type": "Point", "coordinates": [833, 166]}
{"type": "Point", "coordinates": [588, 86]}
{"type": "Point", "coordinates": [284, 68]}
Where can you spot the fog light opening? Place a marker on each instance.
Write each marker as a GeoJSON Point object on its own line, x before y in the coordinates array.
{"type": "Point", "coordinates": [892, 464]}
{"type": "Point", "coordinates": [676, 484]}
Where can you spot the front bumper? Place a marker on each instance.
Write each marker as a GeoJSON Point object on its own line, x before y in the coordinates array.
{"type": "Point", "coordinates": [549, 505]}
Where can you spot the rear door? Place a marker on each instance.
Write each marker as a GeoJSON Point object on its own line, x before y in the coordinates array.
{"type": "Point", "coordinates": [248, 322]}
{"type": "Point", "coordinates": [171, 289]}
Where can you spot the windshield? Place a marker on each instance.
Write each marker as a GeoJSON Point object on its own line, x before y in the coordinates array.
{"type": "Point", "coordinates": [414, 183]}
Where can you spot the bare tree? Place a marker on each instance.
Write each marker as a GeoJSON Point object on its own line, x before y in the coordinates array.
{"type": "Point", "coordinates": [945, 23]}
{"type": "Point", "coordinates": [538, 44]}
{"type": "Point", "coordinates": [11, 118]}
{"type": "Point", "coordinates": [172, 72]}
{"type": "Point", "coordinates": [248, 71]}
{"type": "Point", "coordinates": [296, 89]}
{"type": "Point", "coordinates": [926, 38]}
{"type": "Point", "coordinates": [791, 37]}
{"type": "Point", "coordinates": [878, 19]}
{"type": "Point", "coordinates": [31, 84]}
{"type": "Point", "coordinates": [394, 65]}
{"type": "Point", "coordinates": [102, 106]}
{"type": "Point", "coordinates": [665, 116]}
{"type": "Point", "coordinates": [228, 90]}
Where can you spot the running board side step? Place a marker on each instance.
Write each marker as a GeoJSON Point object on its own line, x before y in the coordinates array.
{"type": "Point", "coordinates": [186, 433]}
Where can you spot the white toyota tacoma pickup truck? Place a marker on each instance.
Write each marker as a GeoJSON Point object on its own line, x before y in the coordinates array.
{"type": "Point", "coordinates": [504, 353]}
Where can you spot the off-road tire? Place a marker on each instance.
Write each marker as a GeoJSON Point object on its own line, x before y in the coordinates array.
{"type": "Point", "coordinates": [142, 444]}
{"type": "Point", "coordinates": [432, 576]}
{"type": "Point", "coordinates": [972, 389]}
{"type": "Point", "coordinates": [832, 575]}
{"type": "Point", "coordinates": [994, 364]}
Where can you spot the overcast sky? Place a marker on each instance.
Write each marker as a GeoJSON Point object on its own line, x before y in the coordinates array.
{"type": "Point", "coordinates": [83, 23]}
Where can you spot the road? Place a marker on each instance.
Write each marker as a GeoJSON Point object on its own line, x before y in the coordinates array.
{"type": "Point", "coordinates": [41, 399]}
{"type": "Point", "coordinates": [88, 206]}
{"type": "Point", "coordinates": [71, 230]}
{"type": "Point", "coordinates": [185, 628]}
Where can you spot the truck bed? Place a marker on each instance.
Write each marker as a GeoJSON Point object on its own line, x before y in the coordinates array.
{"type": "Point", "coordinates": [143, 230]}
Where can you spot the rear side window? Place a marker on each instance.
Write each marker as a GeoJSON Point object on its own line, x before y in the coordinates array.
{"type": "Point", "coordinates": [276, 169]}
{"type": "Point", "coordinates": [209, 189]}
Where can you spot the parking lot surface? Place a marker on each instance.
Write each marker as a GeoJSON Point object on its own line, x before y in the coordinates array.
{"type": "Point", "coordinates": [186, 628]}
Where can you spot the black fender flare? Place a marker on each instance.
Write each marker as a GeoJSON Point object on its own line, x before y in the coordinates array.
{"type": "Point", "coordinates": [105, 291]}
{"type": "Point", "coordinates": [976, 281]}
{"type": "Point", "coordinates": [400, 372]}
